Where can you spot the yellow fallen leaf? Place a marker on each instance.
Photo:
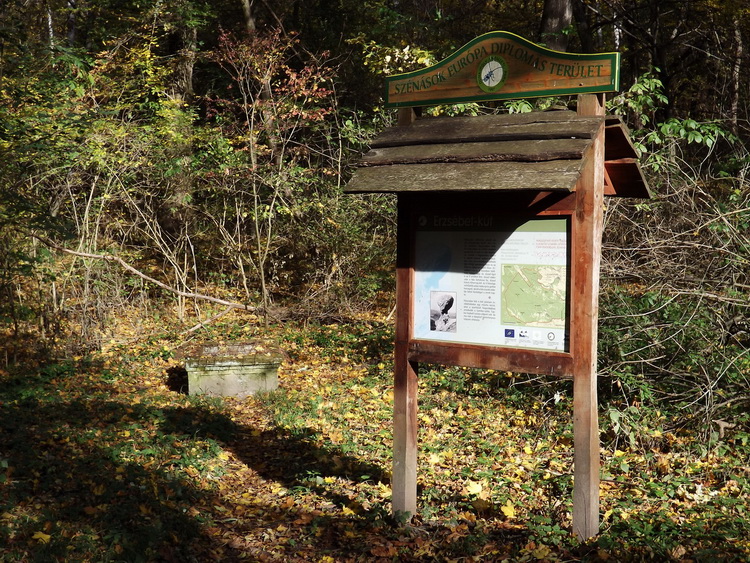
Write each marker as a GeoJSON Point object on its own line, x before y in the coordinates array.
{"type": "Point", "coordinates": [42, 537]}
{"type": "Point", "coordinates": [474, 487]}
{"type": "Point", "coordinates": [509, 510]}
{"type": "Point", "coordinates": [336, 437]}
{"type": "Point", "coordinates": [384, 491]}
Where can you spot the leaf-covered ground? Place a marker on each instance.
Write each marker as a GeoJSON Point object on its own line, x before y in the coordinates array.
{"type": "Point", "coordinates": [105, 458]}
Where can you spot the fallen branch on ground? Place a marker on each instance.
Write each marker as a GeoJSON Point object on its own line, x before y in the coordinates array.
{"type": "Point", "coordinates": [137, 272]}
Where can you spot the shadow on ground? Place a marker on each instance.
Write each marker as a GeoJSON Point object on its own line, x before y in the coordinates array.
{"type": "Point", "coordinates": [77, 478]}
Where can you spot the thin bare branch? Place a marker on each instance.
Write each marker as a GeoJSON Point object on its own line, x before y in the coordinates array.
{"type": "Point", "coordinates": [135, 271]}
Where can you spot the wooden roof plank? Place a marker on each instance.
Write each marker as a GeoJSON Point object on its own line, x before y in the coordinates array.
{"type": "Point", "coordinates": [536, 151]}
{"type": "Point", "coordinates": [554, 175]}
{"type": "Point", "coordinates": [519, 151]}
{"type": "Point", "coordinates": [488, 128]}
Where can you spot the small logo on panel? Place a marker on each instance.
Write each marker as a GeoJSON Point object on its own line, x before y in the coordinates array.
{"type": "Point", "coordinates": [510, 333]}
{"type": "Point", "coordinates": [492, 73]}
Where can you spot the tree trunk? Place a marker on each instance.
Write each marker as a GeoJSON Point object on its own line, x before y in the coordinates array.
{"type": "Point", "coordinates": [247, 9]}
{"type": "Point", "coordinates": [583, 27]}
{"type": "Point", "coordinates": [72, 33]}
{"type": "Point", "coordinates": [556, 19]}
{"type": "Point", "coordinates": [50, 28]}
{"type": "Point", "coordinates": [186, 63]}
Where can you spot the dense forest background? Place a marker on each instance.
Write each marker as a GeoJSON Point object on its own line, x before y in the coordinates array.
{"type": "Point", "coordinates": [185, 159]}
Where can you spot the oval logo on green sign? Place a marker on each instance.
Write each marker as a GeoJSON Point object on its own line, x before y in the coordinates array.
{"type": "Point", "coordinates": [492, 73]}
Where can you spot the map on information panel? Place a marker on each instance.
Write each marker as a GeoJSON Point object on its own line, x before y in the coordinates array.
{"type": "Point", "coordinates": [479, 281]}
{"type": "Point", "coordinates": [533, 296]}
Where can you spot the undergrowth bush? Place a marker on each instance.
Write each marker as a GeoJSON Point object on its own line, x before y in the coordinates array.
{"type": "Point", "coordinates": [676, 282]}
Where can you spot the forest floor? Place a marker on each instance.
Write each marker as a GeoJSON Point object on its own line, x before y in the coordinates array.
{"type": "Point", "coordinates": [106, 458]}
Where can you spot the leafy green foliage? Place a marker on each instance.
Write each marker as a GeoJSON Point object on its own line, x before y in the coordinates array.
{"type": "Point", "coordinates": [242, 182]}
{"type": "Point", "coordinates": [642, 99]}
{"type": "Point", "coordinates": [384, 60]}
{"type": "Point", "coordinates": [659, 141]}
{"type": "Point", "coordinates": [162, 133]}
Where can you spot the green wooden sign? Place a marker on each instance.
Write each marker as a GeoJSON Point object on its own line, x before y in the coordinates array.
{"type": "Point", "coordinates": [499, 66]}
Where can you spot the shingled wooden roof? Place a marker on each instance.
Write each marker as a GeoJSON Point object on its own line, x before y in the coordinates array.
{"type": "Point", "coordinates": [532, 151]}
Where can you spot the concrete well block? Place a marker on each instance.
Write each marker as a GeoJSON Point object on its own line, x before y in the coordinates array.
{"type": "Point", "coordinates": [232, 370]}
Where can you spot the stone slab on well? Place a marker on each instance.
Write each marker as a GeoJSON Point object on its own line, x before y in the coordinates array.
{"type": "Point", "coordinates": [232, 370]}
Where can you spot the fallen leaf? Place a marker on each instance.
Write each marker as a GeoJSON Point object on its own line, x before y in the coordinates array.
{"type": "Point", "coordinates": [509, 510]}
{"type": "Point", "coordinates": [42, 537]}
{"type": "Point", "coordinates": [474, 488]}
{"type": "Point", "coordinates": [434, 458]}
{"type": "Point", "coordinates": [678, 552]}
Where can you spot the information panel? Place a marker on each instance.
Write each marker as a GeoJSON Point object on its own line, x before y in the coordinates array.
{"type": "Point", "coordinates": [482, 279]}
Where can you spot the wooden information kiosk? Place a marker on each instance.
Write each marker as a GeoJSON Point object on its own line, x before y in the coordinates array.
{"type": "Point", "coordinates": [499, 231]}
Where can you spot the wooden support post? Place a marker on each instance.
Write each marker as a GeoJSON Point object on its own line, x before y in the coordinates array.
{"type": "Point", "coordinates": [586, 257]}
{"type": "Point", "coordinates": [590, 105]}
{"type": "Point", "coordinates": [404, 481]}
{"type": "Point", "coordinates": [406, 116]}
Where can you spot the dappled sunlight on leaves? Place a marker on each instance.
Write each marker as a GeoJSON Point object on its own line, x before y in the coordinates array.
{"type": "Point", "coordinates": [101, 459]}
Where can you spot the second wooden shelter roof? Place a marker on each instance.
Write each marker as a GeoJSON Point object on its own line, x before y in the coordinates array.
{"type": "Point", "coordinates": [530, 151]}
